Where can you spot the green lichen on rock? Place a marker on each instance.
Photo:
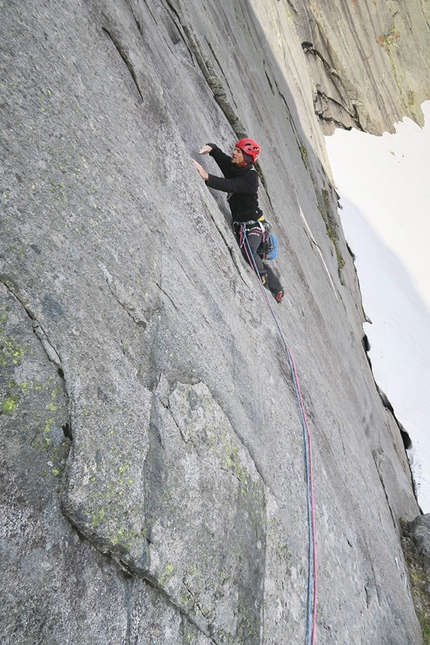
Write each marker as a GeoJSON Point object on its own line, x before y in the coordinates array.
{"type": "Point", "coordinates": [11, 354]}
{"type": "Point", "coordinates": [10, 350]}
{"type": "Point", "coordinates": [9, 404]}
{"type": "Point", "coordinates": [303, 154]}
{"type": "Point", "coordinates": [389, 40]}
{"type": "Point", "coordinates": [332, 227]}
{"type": "Point", "coordinates": [33, 402]}
{"type": "Point", "coordinates": [205, 514]}
{"type": "Point", "coordinates": [107, 515]}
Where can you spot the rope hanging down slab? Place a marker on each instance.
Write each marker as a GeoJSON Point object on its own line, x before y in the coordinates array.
{"type": "Point", "coordinates": [307, 445]}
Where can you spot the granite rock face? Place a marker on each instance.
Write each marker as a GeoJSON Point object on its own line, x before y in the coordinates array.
{"type": "Point", "coordinates": [369, 61]}
{"type": "Point", "coordinates": [153, 475]}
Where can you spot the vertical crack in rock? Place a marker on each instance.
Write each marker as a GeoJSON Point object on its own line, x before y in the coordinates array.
{"type": "Point", "coordinates": [210, 75]}
{"type": "Point", "coordinates": [36, 436]}
{"type": "Point", "coordinates": [215, 84]}
{"type": "Point", "coordinates": [48, 348]}
{"type": "Point", "coordinates": [167, 296]}
{"type": "Point", "coordinates": [125, 57]}
{"type": "Point", "coordinates": [212, 51]}
{"type": "Point", "coordinates": [132, 12]}
{"type": "Point", "coordinates": [118, 22]}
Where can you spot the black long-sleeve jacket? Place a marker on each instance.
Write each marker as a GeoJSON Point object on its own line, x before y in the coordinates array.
{"type": "Point", "coordinates": [240, 182]}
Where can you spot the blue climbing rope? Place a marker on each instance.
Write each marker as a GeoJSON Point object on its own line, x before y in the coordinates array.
{"type": "Point", "coordinates": [307, 450]}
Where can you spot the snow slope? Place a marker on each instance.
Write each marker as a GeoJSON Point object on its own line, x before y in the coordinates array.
{"type": "Point", "coordinates": [385, 193]}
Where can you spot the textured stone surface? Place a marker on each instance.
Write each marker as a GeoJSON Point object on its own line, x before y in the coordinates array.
{"type": "Point", "coordinates": [416, 543]}
{"type": "Point", "coordinates": [369, 61]}
{"type": "Point", "coordinates": [419, 532]}
{"type": "Point", "coordinates": [152, 453]}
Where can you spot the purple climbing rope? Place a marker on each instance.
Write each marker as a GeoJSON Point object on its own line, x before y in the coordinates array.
{"type": "Point", "coordinates": [307, 444]}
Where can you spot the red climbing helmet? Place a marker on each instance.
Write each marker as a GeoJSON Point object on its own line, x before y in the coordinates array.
{"type": "Point", "coordinates": [249, 147]}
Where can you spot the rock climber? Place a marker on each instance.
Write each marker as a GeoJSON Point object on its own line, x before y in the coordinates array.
{"type": "Point", "coordinates": [241, 181]}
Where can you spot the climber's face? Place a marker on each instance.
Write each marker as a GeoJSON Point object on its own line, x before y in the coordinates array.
{"type": "Point", "coordinates": [237, 157]}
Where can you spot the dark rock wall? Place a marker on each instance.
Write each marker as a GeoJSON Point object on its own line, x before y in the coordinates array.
{"type": "Point", "coordinates": [152, 453]}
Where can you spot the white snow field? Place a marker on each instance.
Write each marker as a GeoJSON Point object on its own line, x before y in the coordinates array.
{"type": "Point", "coordinates": [384, 184]}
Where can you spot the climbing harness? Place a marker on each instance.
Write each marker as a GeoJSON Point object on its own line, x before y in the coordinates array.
{"type": "Point", "coordinates": [268, 248]}
{"type": "Point", "coordinates": [258, 218]}
{"type": "Point", "coordinates": [307, 445]}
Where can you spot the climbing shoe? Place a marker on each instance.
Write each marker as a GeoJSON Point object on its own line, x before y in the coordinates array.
{"type": "Point", "coordinates": [278, 296]}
